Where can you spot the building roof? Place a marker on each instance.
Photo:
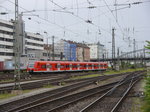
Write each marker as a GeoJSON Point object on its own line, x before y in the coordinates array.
{"type": "Point", "coordinates": [98, 43]}
{"type": "Point", "coordinates": [77, 43]}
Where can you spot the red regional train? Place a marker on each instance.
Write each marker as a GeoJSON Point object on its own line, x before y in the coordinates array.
{"type": "Point", "coordinates": [62, 66]}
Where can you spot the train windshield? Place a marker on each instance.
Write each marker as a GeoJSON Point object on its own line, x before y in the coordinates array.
{"type": "Point", "coordinates": [31, 65]}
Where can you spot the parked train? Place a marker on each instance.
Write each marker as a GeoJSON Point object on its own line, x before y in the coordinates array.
{"type": "Point", "coordinates": [8, 66]}
{"type": "Point", "coordinates": [62, 66]}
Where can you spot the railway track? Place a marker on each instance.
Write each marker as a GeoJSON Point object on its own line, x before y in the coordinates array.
{"type": "Point", "coordinates": [26, 76]}
{"type": "Point", "coordinates": [56, 99]}
{"type": "Point", "coordinates": [112, 99]}
{"type": "Point", "coordinates": [9, 77]}
{"type": "Point", "coordinates": [56, 81]}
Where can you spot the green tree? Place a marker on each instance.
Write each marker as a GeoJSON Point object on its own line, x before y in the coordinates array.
{"type": "Point", "coordinates": [148, 45]}
{"type": "Point", "coordinates": [146, 106]}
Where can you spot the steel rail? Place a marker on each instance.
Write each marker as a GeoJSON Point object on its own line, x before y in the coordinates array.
{"type": "Point", "coordinates": [100, 98]}
{"type": "Point", "coordinates": [56, 92]}
{"type": "Point", "coordinates": [40, 105]}
{"type": "Point", "coordinates": [115, 108]}
{"type": "Point", "coordinates": [57, 81]}
{"type": "Point", "coordinates": [78, 99]}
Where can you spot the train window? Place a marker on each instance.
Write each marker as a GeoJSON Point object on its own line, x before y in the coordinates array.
{"type": "Point", "coordinates": [101, 65]}
{"type": "Point", "coordinates": [105, 65]}
{"type": "Point", "coordinates": [43, 66]}
{"type": "Point", "coordinates": [48, 66]}
{"type": "Point", "coordinates": [61, 66]}
{"type": "Point", "coordinates": [96, 65]}
{"type": "Point", "coordinates": [74, 66]}
{"type": "Point", "coordinates": [81, 65]}
{"type": "Point", "coordinates": [58, 66]}
{"type": "Point", "coordinates": [70, 66]}
{"type": "Point", "coordinates": [90, 65]}
{"type": "Point", "coordinates": [67, 66]}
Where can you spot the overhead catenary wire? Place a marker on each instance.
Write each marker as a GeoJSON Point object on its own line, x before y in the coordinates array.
{"type": "Point", "coordinates": [89, 22]}
{"type": "Point", "coordinates": [114, 17]}
{"type": "Point", "coordinates": [62, 27]}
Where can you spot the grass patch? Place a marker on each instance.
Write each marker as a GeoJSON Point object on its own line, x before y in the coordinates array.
{"type": "Point", "coordinates": [48, 86]}
{"type": "Point", "coordinates": [136, 106]}
{"type": "Point", "coordinates": [122, 71]}
{"type": "Point", "coordinates": [9, 95]}
{"type": "Point", "coordinates": [10, 80]}
{"type": "Point", "coordinates": [146, 105]}
{"type": "Point", "coordinates": [6, 95]}
{"type": "Point", "coordinates": [106, 73]}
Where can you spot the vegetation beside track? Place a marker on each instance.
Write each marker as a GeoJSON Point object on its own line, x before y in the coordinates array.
{"type": "Point", "coordinates": [107, 73]}
{"type": "Point", "coordinates": [122, 71]}
{"type": "Point", "coordinates": [49, 86]}
{"type": "Point", "coordinates": [146, 106]}
{"type": "Point", "coordinates": [9, 95]}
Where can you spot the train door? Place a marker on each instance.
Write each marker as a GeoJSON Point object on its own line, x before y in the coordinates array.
{"type": "Point", "coordinates": [86, 66]}
{"type": "Point", "coordinates": [67, 66]}
{"type": "Point", "coordinates": [92, 66]}
{"type": "Point", "coordinates": [58, 66]}
{"type": "Point", "coordinates": [70, 66]}
{"type": "Point", "coordinates": [48, 67]}
{"type": "Point", "coordinates": [78, 66]}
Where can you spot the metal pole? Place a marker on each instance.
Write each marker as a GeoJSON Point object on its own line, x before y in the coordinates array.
{"type": "Point", "coordinates": [113, 47]}
{"type": "Point", "coordinates": [134, 52]}
{"type": "Point", "coordinates": [53, 48]}
{"type": "Point", "coordinates": [17, 49]}
{"type": "Point", "coordinates": [118, 58]}
{"type": "Point", "coordinates": [98, 49]}
{"type": "Point", "coordinates": [47, 49]}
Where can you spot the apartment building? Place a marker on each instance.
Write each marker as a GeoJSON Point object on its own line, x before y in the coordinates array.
{"type": "Point", "coordinates": [67, 49]}
{"type": "Point", "coordinates": [96, 51]}
{"type": "Point", "coordinates": [30, 41]}
{"type": "Point", "coordinates": [82, 52]}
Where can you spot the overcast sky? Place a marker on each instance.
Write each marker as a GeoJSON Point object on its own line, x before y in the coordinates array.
{"type": "Point", "coordinates": [69, 19]}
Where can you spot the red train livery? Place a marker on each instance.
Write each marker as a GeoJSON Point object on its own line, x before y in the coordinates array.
{"type": "Point", "coordinates": [61, 66]}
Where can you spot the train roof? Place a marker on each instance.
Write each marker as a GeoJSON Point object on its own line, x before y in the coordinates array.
{"type": "Point", "coordinates": [65, 62]}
